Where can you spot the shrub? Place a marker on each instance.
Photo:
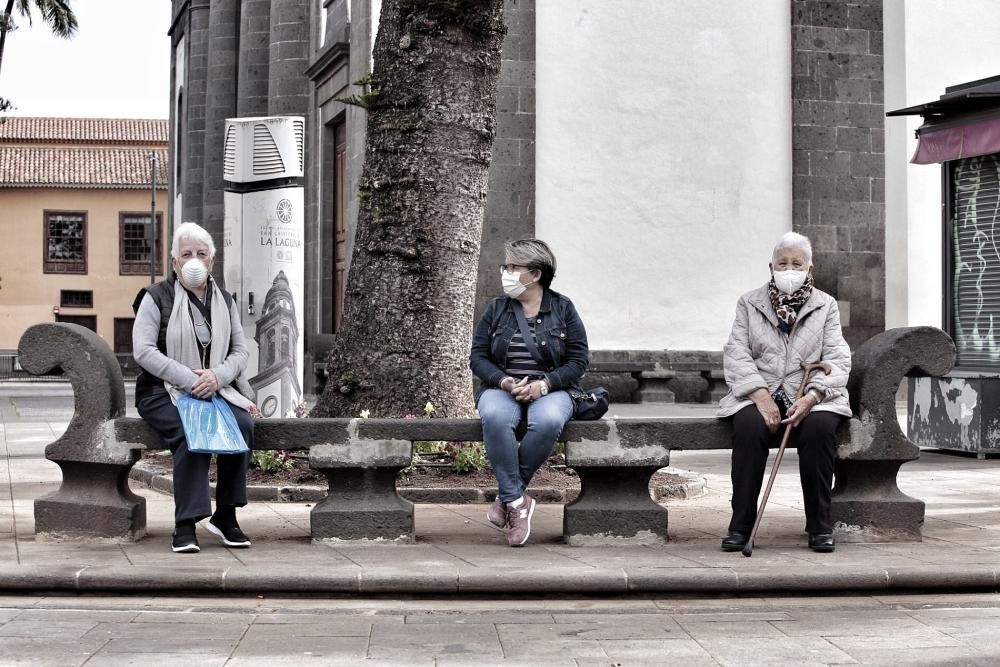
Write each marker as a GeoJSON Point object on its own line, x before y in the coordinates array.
{"type": "Point", "coordinates": [271, 461]}
{"type": "Point", "coordinates": [467, 456]}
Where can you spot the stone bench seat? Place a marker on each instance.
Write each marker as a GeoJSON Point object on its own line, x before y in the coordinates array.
{"type": "Point", "coordinates": [361, 458]}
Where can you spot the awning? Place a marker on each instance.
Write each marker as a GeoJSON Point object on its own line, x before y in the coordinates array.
{"type": "Point", "coordinates": [964, 122]}
{"type": "Point", "coordinates": [952, 143]}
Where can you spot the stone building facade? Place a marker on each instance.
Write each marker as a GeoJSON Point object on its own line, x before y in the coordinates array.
{"type": "Point", "coordinates": [240, 58]}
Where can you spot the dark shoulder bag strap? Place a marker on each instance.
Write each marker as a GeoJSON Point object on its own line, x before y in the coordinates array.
{"type": "Point", "coordinates": [529, 340]}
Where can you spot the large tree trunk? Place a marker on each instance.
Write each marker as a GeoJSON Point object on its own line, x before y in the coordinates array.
{"type": "Point", "coordinates": [411, 287]}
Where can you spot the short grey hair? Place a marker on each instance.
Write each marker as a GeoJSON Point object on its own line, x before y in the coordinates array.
{"type": "Point", "coordinates": [794, 241]}
{"type": "Point", "coordinates": [534, 254]}
{"type": "Point", "coordinates": [191, 231]}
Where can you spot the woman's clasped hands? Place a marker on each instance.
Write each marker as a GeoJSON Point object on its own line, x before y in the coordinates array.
{"type": "Point", "coordinates": [522, 390]}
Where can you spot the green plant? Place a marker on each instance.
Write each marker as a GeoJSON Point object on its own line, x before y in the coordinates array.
{"type": "Point", "coordinates": [271, 461]}
{"type": "Point", "coordinates": [369, 93]}
{"type": "Point", "coordinates": [467, 456]}
{"type": "Point", "coordinates": [427, 446]}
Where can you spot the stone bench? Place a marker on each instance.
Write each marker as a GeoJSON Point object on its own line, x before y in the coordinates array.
{"type": "Point", "coordinates": [614, 458]}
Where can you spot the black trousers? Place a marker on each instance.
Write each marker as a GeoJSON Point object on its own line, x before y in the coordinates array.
{"type": "Point", "coordinates": [814, 437]}
{"type": "Point", "coordinates": [192, 496]}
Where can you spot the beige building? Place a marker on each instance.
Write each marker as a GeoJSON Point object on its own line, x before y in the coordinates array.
{"type": "Point", "coordinates": [74, 222]}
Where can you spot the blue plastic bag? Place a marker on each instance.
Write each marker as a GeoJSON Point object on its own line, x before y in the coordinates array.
{"type": "Point", "coordinates": [210, 426]}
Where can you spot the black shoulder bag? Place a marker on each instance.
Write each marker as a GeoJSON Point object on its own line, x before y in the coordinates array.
{"type": "Point", "coordinates": [586, 406]}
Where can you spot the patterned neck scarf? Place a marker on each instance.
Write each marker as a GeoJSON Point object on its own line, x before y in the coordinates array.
{"type": "Point", "coordinates": [787, 306]}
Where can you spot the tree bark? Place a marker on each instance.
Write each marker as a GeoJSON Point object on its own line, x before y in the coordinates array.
{"type": "Point", "coordinates": [411, 288]}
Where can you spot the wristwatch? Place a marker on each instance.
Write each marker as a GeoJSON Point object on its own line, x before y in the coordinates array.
{"type": "Point", "coordinates": [816, 394]}
{"type": "Point", "coordinates": [545, 388]}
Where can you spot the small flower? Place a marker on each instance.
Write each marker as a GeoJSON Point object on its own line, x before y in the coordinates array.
{"type": "Point", "coordinates": [365, 414]}
{"type": "Point", "coordinates": [410, 416]}
{"type": "Point", "coordinates": [429, 409]}
{"type": "Point", "coordinates": [254, 411]}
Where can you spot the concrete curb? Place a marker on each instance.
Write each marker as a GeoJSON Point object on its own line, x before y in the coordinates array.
{"type": "Point", "coordinates": [477, 581]}
{"type": "Point", "coordinates": [159, 478]}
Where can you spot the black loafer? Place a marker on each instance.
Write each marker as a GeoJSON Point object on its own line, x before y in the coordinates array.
{"type": "Point", "coordinates": [735, 541]}
{"type": "Point", "coordinates": [821, 542]}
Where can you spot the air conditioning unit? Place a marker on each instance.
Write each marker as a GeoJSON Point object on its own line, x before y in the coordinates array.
{"type": "Point", "coordinates": [263, 149]}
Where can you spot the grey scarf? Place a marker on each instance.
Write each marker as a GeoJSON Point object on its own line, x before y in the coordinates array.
{"type": "Point", "coordinates": [182, 342]}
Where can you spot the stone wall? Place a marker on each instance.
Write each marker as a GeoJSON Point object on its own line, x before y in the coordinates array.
{"type": "Point", "coordinates": [838, 154]}
{"type": "Point", "coordinates": [510, 201]}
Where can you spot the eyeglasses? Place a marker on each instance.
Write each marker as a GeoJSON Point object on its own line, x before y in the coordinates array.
{"type": "Point", "coordinates": [510, 268]}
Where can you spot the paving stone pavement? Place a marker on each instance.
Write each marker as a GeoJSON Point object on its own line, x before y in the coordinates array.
{"type": "Point", "coordinates": [685, 600]}
{"type": "Point", "coordinates": [940, 629]}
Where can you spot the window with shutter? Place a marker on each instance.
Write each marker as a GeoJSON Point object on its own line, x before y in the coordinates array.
{"type": "Point", "coordinates": [973, 291]}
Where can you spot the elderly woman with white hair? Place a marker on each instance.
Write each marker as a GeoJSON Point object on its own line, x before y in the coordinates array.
{"type": "Point", "coordinates": [778, 327]}
{"type": "Point", "coordinates": [187, 338]}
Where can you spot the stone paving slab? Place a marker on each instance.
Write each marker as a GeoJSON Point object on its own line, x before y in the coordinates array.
{"type": "Point", "coordinates": [610, 631]}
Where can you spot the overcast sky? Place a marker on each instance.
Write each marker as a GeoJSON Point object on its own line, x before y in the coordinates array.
{"type": "Point", "coordinates": [117, 66]}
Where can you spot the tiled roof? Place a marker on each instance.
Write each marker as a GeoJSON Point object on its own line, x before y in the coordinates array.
{"type": "Point", "coordinates": [30, 129]}
{"type": "Point", "coordinates": [46, 167]}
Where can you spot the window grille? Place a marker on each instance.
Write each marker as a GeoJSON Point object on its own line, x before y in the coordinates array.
{"type": "Point", "coordinates": [133, 251]}
{"type": "Point", "coordinates": [71, 298]}
{"type": "Point", "coordinates": [65, 242]}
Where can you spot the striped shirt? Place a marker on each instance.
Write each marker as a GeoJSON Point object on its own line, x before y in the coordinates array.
{"type": "Point", "coordinates": [520, 364]}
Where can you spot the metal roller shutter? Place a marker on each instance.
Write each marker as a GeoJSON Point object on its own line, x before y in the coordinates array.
{"type": "Point", "coordinates": [975, 257]}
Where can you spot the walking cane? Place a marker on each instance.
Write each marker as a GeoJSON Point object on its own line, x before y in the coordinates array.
{"type": "Point", "coordinates": [807, 370]}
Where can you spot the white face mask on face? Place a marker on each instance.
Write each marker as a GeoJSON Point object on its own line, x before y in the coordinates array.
{"type": "Point", "coordinates": [194, 273]}
{"type": "Point", "coordinates": [790, 280]}
{"type": "Point", "coordinates": [511, 281]}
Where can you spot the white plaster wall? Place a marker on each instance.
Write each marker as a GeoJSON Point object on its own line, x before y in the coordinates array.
{"type": "Point", "coordinates": [663, 161]}
{"type": "Point", "coordinates": [929, 45]}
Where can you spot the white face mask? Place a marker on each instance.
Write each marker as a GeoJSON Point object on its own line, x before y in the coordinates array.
{"type": "Point", "coordinates": [194, 273]}
{"type": "Point", "coordinates": [790, 280]}
{"type": "Point", "coordinates": [511, 281]}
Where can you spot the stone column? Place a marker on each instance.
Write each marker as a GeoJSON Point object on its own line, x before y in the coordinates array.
{"type": "Point", "coordinates": [195, 93]}
{"type": "Point", "coordinates": [255, 40]}
{"type": "Point", "coordinates": [220, 104]}
{"type": "Point", "coordinates": [288, 85]}
{"type": "Point", "coordinates": [837, 157]}
{"type": "Point", "coordinates": [510, 199]}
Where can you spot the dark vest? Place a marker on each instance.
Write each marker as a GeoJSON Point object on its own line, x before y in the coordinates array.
{"type": "Point", "coordinates": [163, 296]}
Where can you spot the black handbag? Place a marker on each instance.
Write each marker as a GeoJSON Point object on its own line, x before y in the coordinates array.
{"type": "Point", "coordinates": [587, 406]}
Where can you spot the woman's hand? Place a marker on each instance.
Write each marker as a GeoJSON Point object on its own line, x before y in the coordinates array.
{"type": "Point", "coordinates": [206, 385]}
{"type": "Point", "coordinates": [800, 409]}
{"type": "Point", "coordinates": [768, 409]}
{"type": "Point", "coordinates": [527, 392]}
{"type": "Point", "coordinates": [521, 391]}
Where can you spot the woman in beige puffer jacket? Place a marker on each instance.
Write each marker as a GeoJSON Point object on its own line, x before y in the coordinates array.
{"type": "Point", "coordinates": [778, 327]}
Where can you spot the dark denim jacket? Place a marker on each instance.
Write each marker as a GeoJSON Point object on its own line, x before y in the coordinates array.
{"type": "Point", "coordinates": [559, 335]}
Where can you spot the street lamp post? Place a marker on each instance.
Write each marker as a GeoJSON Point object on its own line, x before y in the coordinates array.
{"type": "Point", "coordinates": [152, 219]}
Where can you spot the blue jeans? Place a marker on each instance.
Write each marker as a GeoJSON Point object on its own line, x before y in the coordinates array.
{"type": "Point", "coordinates": [515, 466]}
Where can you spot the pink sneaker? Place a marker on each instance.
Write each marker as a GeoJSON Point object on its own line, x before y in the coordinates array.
{"type": "Point", "coordinates": [497, 513]}
{"type": "Point", "coordinates": [519, 520]}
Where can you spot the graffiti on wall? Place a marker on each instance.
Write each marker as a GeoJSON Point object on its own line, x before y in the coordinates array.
{"type": "Point", "coordinates": [976, 256]}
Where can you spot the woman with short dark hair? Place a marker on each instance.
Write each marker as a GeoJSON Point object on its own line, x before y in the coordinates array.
{"type": "Point", "coordinates": [529, 348]}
